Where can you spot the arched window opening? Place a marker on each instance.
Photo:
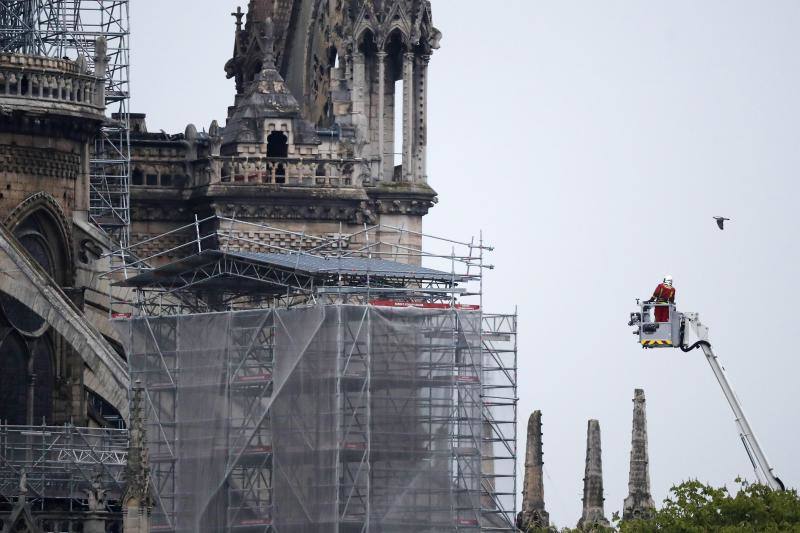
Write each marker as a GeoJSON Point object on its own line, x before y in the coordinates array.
{"type": "Point", "coordinates": [367, 45]}
{"type": "Point", "coordinates": [280, 174]}
{"type": "Point", "coordinates": [277, 145]}
{"type": "Point", "coordinates": [333, 57]}
{"type": "Point", "coordinates": [395, 48]}
{"type": "Point", "coordinates": [14, 380]}
{"type": "Point", "coordinates": [44, 238]}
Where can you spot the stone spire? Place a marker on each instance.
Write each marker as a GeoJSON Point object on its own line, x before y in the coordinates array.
{"type": "Point", "coordinates": [593, 513]}
{"type": "Point", "coordinates": [639, 503]}
{"type": "Point", "coordinates": [533, 514]}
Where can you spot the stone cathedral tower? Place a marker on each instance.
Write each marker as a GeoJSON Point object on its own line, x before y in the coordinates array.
{"type": "Point", "coordinates": [309, 143]}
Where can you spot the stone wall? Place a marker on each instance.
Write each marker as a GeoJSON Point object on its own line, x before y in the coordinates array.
{"type": "Point", "coordinates": [31, 163]}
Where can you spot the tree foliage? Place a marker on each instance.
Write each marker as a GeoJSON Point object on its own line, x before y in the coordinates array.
{"type": "Point", "coordinates": [693, 507]}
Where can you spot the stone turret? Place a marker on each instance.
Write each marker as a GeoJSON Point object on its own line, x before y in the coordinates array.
{"type": "Point", "coordinates": [593, 512]}
{"type": "Point", "coordinates": [265, 100]}
{"type": "Point", "coordinates": [533, 514]}
{"type": "Point", "coordinates": [639, 503]}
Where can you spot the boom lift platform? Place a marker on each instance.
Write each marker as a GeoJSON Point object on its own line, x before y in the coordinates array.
{"type": "Point", "coordinates": [685, 331]}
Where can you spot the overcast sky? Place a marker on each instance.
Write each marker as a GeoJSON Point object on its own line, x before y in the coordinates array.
{"type": "Point", "coordinates": [592, 142]}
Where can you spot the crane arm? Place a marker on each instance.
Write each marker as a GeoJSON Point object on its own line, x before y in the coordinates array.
{"type": "Point", "coordinates": [749, 439]}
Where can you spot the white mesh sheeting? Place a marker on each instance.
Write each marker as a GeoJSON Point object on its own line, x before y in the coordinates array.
{"type": "Point", "coordinates": [311, 419]}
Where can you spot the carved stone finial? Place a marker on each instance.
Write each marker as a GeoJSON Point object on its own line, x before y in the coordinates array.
{"type": "Point", "coordinates": [190, 133]}
{"type": "Point", "coordinates": [533, 514]}
{"type": "Point", "coordinates": [239, 14]}
{"type": "Point", "coordinates": [268, 44]}
{"type": "Point", "coordinates": [101, 48]}
{"type": "Point", "coordinates": [593, 511]}
{"type": "Point", "coordinates": [639, 503]}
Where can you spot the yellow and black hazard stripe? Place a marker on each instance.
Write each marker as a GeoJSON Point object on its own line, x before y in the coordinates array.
{"type": "Point", "coordinates": [656, 343]}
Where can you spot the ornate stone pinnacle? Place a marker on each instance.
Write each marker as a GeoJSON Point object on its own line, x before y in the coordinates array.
{"type": "Point", "coordinates": [533, 514]}
{"type": "Point", "coordinates": [239, 14]}
{"type": "Point", "coordinates": [639, 503]}
{"type": "Point", "coordinates": [268, 42]}
{"type": "Point", "coordinates": [593, 512]}
{"type": "Point", "coordinates": [137, 471]}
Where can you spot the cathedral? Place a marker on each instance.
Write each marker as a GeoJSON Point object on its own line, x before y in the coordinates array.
{"type": "Point", "coordinates": [307, 149]}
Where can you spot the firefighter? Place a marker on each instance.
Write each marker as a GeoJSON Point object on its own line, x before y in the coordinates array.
{"type": "Point", "coordinates": [664, 294]}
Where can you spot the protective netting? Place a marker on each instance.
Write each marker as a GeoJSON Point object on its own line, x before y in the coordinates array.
{"type": "Point", "coordinates": [313, 419]}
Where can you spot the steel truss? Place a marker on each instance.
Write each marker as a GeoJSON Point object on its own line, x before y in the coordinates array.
{"type": "Point", "coordinates": [71, 28]}
{"type": "Point", "coordinates": [61, 462]}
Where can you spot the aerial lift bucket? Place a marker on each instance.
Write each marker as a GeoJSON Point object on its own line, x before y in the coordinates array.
{"type": "Point", "coordinates": [653, 333]}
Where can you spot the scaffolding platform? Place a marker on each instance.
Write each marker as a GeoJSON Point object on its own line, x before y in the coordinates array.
{"type": "Point", "coordinates": [338, 389]}
{"type": "Point", "coordinates": [61, 463]}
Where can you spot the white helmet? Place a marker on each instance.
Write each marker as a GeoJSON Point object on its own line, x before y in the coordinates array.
{"type": "Point", "coordinates": [668, 280]}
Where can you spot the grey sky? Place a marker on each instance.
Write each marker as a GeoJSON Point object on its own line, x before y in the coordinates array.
{"type": "Point", "coordinates": [592, 142]}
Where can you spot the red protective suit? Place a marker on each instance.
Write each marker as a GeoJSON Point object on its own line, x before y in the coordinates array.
{"type": "Point", "coordinates": [663, 294]}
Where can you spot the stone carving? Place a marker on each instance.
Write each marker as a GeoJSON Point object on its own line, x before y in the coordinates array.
{"type": "Point", "coordinates": [44, 162]}
{"type": "Point", "coordinates": [96, 496]}
{"type": "Point", "coordinates": [89, 251]}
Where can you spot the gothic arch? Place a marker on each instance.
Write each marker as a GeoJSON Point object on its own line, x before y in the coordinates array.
{"type": "Point", "coordinates": [40, 217]}
{"type": "Point", "coordinates": [366, 42]}
{"type": "Point", "coordinates": [397, 21]}
{"type": "Point", "coordinates": [396, 36]}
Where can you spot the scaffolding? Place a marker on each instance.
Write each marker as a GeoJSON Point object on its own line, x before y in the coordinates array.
{"type": "Point", "coordinates": [62, 463]}
{"type": "Point", "coordinates": [71, 29]}
{"type": "Point", "coordinates": [324, 390]}
{"type": "Point", "coordinates": [218, 268]}
{"type": "Point", "coordinates": [499, 395]}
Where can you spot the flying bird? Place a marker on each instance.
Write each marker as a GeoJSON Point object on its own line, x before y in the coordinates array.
{"type": "Point", "coordinates": [721, 222]}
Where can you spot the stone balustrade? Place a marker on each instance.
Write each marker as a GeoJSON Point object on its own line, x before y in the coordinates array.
{"type": "Point", "coordinates": [41, 80]}
{"type": "Point", "coordinates": [308, 172]}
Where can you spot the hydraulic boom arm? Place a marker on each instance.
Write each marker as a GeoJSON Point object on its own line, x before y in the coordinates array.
{"type": "Point", "coordinates": [691, 322]}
